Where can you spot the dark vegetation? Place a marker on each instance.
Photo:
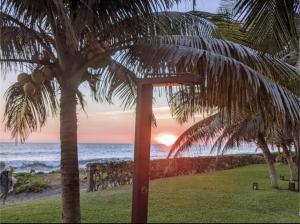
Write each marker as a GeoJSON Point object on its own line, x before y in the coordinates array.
{"type": "Point", "coordinates": [112, 174]}
{"type": "Point", "coordinates": [27, 182]}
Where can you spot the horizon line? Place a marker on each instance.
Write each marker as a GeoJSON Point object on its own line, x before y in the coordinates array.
{"type": "Point", "coordinates": [57, 142]}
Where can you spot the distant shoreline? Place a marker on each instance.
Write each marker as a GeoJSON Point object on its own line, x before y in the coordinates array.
{"type": "Point", "coordinates": [83, 163]}
{"type": "Point", "coordinates": [43, 157]}
{"type": "Point", "coordinates": [91, 143]}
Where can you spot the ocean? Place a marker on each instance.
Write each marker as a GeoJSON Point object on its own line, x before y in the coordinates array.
{"type": "Point", "coordinates": [45, 157]}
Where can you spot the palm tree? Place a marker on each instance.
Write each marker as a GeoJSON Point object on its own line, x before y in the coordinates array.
{"type": "Point", "coordinates": [50, 40]}
{"type": "Point", "coordinates": [267, 26]}
{"type": "Point", "coordinates": [226, 134]}
{"type": "Point", "coordinates": [289, 158]}
{"type": "Point", "coordinates": [272, 26]}
{"type": "Point", "coordinates": [64, 44]}
{"type": "Point", "coordinates": [286, 143]}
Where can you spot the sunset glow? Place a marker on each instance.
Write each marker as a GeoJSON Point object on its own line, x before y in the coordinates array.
{"type": "Point", "coordinates": [166, 139]}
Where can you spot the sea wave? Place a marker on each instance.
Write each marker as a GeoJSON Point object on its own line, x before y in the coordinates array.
{"type": "Point", "coordinates": [37, 166]}
{"type": "Point", "coordinates": [48, 166]}
{"type": "Point", "coordinates": [44, 157]}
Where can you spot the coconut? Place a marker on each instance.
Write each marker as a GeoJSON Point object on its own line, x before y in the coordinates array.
{"type": "Point", "coordinates": [48, 73]}
{"type": "Point", "coordinates": [98, 48]}
{"type": "Point", "coordinates": [104, 45]}
{"type": "Point", "coordinates": [101, 62]}
{"type": "Point", "coordinates": [46, 56]}
{"type": "Point", "coordinates": [38, 77]}
{"type": "Point", "coordinates": [29, 89]}
{"type": "Point", "coordinates": [37, 57]}
{"type": "Point", "coordinates": [23, 78]}
{"type": "Point", "coordinates": [90, 55]}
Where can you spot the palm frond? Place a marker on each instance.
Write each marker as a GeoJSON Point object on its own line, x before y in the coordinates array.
{"type": "Point", "coordinates": [269, 20]}
{"type": "Point", "coordinates": [225, 137]}
{"type": "Point", "coordinates": [226, 134]}
{"type": "Point", "coordinates": [80, 99]}
{"type": "Point", "coordinates": [203, 130]}
{"type": "Point", "coordinates": [224, 78]}
{"type": "Point", "coordinates": [18, 45]}
{"type": "Point", "coordinates": [24, 114]}
{"type": "Point", "coordinates": [92, 80]}
{"type": "Point", "coordinates": [162, 23]}
{"type": "Point", "coordinates": [117, 81]}
{"type": "Point", "coordinates": [265, 64]}
{"type": "Point", "coordinates": [227, 27]}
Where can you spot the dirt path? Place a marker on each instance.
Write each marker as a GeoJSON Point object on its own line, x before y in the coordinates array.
{"type": "Point", "coordinates": [54, 190]}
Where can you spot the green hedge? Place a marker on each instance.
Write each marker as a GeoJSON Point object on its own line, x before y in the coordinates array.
{"type": "Point", "coordinates": [111, 174]}
{"type": "Point", "coordinates": [27, 182]}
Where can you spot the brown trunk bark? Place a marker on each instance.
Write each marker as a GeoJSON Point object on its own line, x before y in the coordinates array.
{"type": "Point", "coordinates": [269, 160]}
{"type": "Point", "coordinates": [69, 156]}
{"type": "Point", "coordinates": [292, 166]}
{"type": "Point", "coordinates": [297, 149]}
{"type": "Point", "coordinates": [140, 186]}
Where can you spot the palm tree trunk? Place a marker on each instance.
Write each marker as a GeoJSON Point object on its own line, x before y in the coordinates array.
{"type": "Point", "coordinates": [297, 149]}
{"type": "Point", "coordinates": [69, 156]}
{"type": "Point", "coordinates": [292, 165]}
{"type": "Point", "coordinates": [269, 160]}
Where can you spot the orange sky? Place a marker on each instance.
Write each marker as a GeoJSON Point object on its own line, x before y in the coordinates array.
{"type": "Point", "coordinates": [100, 123]}
{"type": "Point", "coordinates": [107, 123]}
{"type": "Point", "coordinates": [115, 126]}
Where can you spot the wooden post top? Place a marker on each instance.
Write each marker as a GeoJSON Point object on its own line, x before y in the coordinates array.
{"type": "Point", "coordinates": [169, 79]}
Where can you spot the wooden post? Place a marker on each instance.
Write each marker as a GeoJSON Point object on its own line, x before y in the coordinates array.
{"type": "Point", "coordinates": [90, 178]}
{"type": "Point", "coordinates": [143, 137]}
{"type": "Point", "coordinates": [142, 154]}
{"type": "Point", "coordinates": [298, 157]}
{"type": "Point", "coordinates": [297, 150]}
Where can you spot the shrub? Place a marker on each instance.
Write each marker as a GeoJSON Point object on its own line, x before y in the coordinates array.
{"type": "Point", "coordinates": [27, 182]}
{"type": "Point", "coordinates": [116, 173]}
{"type": "Point", "coordinates": [280, 159]}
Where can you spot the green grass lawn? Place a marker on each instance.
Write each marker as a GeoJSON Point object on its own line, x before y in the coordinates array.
{"type": "Point", "coordinates": [224, 196]}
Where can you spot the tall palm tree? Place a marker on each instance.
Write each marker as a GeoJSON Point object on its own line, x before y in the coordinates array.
{"type": "Point", "coordinates": [50, 40]}
{"type": "Point", "coordinates": [65, 43]}
{"type": "Point", "coordinates": [289, 158]}
{"type": "Point", "coordinates": [272, 25]}
{"type": "Point", "coordinates": [286, 142]}
{"type": "Point", "coordinates": [226, 134]}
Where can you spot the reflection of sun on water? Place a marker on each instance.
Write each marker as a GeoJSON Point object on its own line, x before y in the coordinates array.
{"type": "Point", "coordinates": [166, 139]}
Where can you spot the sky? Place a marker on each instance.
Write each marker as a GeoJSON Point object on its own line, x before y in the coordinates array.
{"type": "Point", "coordinates": [103, 123]}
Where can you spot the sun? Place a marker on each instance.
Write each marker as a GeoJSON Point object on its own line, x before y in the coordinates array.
{"type": "Point", "coordinates": [166, 139]}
